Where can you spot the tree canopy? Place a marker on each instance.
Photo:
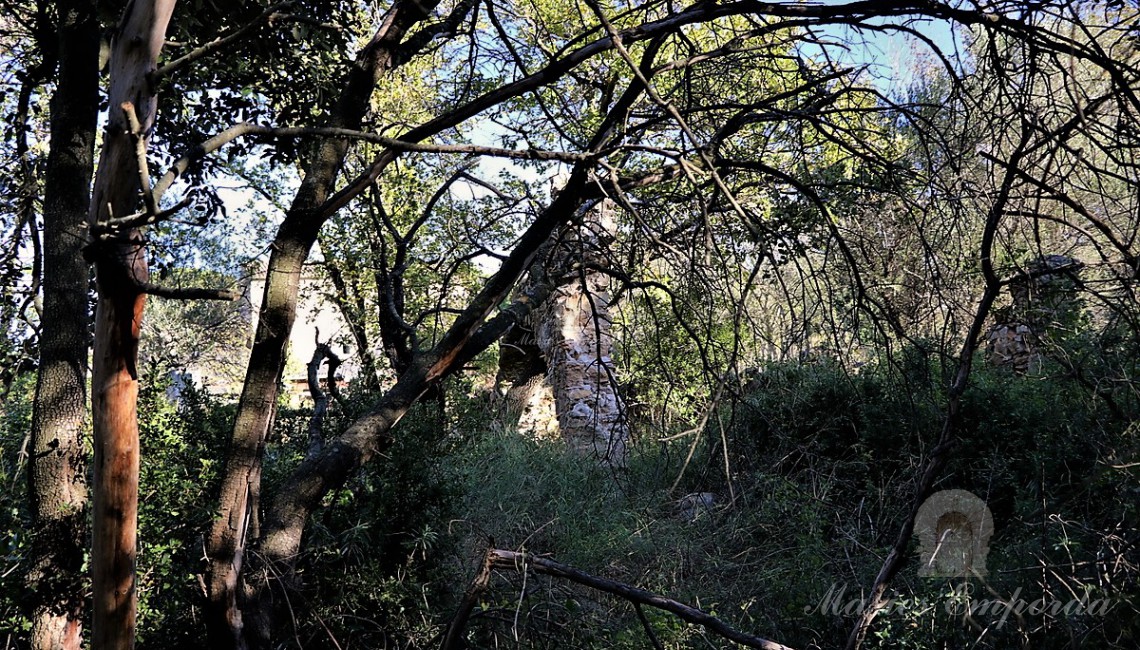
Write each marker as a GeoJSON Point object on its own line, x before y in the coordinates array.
{"type": "Point", "coordinates": [820, 237]}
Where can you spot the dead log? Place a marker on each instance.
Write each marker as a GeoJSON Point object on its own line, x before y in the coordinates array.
{"type": "Point", "coordinates": [521, 562]}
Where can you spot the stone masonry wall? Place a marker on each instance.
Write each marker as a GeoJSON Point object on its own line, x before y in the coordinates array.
{"type": "Point", "coordinates": [558, 368]}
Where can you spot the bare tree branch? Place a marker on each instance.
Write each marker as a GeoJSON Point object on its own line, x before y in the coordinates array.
{"type": "Point", "coordinates": [187, 293]}
{"type": "Point", "coordinates": [512, 560]}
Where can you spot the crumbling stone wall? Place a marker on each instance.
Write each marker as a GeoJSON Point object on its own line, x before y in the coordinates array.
{"type": "Point", "coordinates": [522, 375]}
{"type": "Point", "coordinates": [558, 368]}
{"type": "Point", "coordinates": [576, 340]}
{"type": "Point", "coordinates": [1013, 345]}
{"type": "Point", "coordinates": [1044, 299]}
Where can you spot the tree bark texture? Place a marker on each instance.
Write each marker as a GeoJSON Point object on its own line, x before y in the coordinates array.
{"type": "Point", "coordinates": [241, 483]}
{"type": "Point", "coordinates": [121, 270]}
{"type": "Point", "coordinates": [57, 472]}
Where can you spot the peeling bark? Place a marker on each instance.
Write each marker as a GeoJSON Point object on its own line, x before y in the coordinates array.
{"type": "Point", "coordinates": [121, 270]}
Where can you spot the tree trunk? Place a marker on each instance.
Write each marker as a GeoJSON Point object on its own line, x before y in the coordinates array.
{"type": "Point", "coordinates": [57, 481]}
{"type": "Point", "coordinates": [470, 334]}
{"type": "Point", "coordinates": [351, 306]}
{"type": "Point", "coordinates": [121, 269]}
{"type": "Point", "coordinates": [241, 483]}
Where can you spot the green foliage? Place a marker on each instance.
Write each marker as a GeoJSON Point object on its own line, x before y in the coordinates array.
{"type": "Point", "coordinates": [202, 335]}
{"type": "Point", "coordinates": [812, 471]}
{"type": "Point", "coordinates": [15, 422]}
{"type": "Point", "coordinates": [284, 72]}
{"type": "Point", "coordinates": [1043, 477]}
{"type": "Point", "coordinates": [181, 446]}
{"type": "Point", "coordinates": [757, 564]}
{"type": "Point", "coordinates": [822, 462]}
{"type": "Point", "coordinates": [374, 553]}
{"type": "Point", "coordinates": [372, 559]}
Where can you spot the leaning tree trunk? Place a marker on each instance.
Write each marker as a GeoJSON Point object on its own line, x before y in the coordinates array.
{"type": "Point", "coordinates": [472, 332]}
{"type": "Point", "coordinates": [237, 520]}
{"type": "Point", "coordinates": [121, 273]}
{"type": "Point", "coordinates": [57, 478]}
{"type": "Point", "coordinates": [280, 537]}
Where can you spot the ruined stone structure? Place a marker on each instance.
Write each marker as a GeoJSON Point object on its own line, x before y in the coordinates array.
{"type": "Point", "coordinates": [522, 375]}
{"type": "Point", "coordinates": [557, 369]}
{"type": "Point", "coordinates": [1013, 344]}
{"type": "Point", "coordinates": [1044, 298]}
{"type": "Point", "coordinates": [317, 318]}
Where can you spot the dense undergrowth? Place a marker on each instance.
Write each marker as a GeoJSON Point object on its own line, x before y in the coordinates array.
{"type": "Point", "coordinates": [811, 472]}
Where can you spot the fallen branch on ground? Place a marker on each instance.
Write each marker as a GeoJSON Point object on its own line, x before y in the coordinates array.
{"type": "Point", "coordinates": [511, 560]}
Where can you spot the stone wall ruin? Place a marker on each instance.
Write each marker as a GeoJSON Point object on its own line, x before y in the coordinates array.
{"type": "Point", "coordinates": [1044, 299]}
{"type": "Point", "coordinates": [557, 368]}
